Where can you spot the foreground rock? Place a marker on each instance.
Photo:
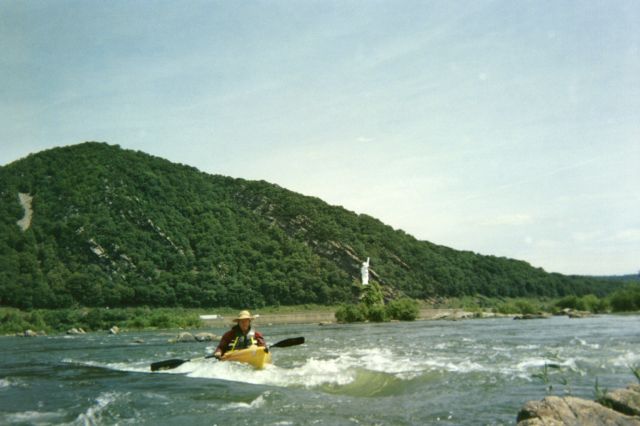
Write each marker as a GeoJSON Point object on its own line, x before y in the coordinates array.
{"type": "Point", "coordinates": [555, 411]}
{"type": "Point", "coordinates": [626, 401]}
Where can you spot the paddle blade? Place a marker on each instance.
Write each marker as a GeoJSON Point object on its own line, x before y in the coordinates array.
{"type": "Point", "coordinates": [288, 342]}
{"type": "Point", "coordinates": [168, 364]}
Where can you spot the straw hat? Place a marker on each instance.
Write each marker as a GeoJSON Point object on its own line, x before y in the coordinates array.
{"type": "Point", "coordinates": [243, 315]}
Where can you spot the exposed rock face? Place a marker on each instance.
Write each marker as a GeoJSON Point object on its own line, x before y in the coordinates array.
{"type": "Point", "coordinates": [25, 202]}
{"type": "Point", "coordinates": [571, 411]}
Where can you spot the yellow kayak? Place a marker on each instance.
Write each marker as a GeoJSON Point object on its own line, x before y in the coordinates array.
{"type": "Point", "coordinates": [253, 355]}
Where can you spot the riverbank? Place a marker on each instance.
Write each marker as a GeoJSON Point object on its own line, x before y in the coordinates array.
{"type": "Point", "coordinates": [54, 321]}
{"type": "Point", "coordinates": [42, 321]}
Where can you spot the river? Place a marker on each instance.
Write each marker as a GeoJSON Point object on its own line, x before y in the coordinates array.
{"type": "Point", "coordinates": [474, 372]}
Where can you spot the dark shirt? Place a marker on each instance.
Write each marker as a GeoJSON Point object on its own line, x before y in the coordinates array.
{"type": "Point", "coordinates": [227, 339]}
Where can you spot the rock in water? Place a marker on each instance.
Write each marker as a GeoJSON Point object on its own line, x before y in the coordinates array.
{"type": "Point", "coordinates": [556, 411]}
{"type": "Point", "coordinates": [626, 401]}
{"type": "Point", "coordinates": [183, 337]}
{"type": "Point", "coordinates": [205, 337]}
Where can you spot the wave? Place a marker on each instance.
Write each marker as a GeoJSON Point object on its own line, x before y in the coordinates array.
{"type": "Point", "coordinates": [380, 371]}
{"type": "Point", "coordinates": [241, 406]}
{"type": "Point", "coordinates": [94, 414]}
{"type": "Point", "coordinates": [32, 417]}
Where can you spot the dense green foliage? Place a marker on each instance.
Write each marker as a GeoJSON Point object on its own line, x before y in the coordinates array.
{"type": "Point", "coordinates": [624, 300]}
{"type": "Point", "coordinates": [372, 307]}
{"type": "Point", "coordinates": [95, 319]}
{"type": "Point", "coordinates": [117, 228]}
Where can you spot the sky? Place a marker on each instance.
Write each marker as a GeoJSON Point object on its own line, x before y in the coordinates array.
{"type": "Point", "coordinates": [506, 128]}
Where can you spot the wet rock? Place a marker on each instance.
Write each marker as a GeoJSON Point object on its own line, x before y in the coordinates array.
{"type": "Point", "coordinates": [539, 315]}
{"type": "Point", "coordinates": [572, 313]}
{"type": "Point", "coordinates": [183, 337]}
{"type": "Point", "coordinates": [569, 411]}
{"type": "Point", "coordinates": [205, 337]}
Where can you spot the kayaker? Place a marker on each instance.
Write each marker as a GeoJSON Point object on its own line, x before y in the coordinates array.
{"type": "Point", "coordinates": [240, 336]}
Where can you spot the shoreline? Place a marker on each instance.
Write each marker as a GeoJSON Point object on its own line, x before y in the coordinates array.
{"type": "Point", "coordinates": [325, 317]}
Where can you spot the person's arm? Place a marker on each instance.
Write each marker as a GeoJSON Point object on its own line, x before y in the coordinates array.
{"type": "Point", "coordinates": [259, 339]}
{"type": "Point", "coordinates": [224, 344]}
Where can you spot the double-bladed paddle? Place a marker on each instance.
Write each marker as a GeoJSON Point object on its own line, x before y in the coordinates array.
{"type": "Point", "coordinates": [173, 363]}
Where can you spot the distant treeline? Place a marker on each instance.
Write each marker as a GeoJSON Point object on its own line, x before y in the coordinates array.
{"type": "Point", "coordinates": [119, 228]}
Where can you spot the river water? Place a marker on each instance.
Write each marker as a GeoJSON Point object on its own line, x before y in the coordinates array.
{"type": "Point", "coordinates": [470, 372]}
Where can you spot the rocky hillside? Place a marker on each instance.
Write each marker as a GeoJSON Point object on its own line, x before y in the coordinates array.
{"type": "Point", "coordinates": [96, 225]}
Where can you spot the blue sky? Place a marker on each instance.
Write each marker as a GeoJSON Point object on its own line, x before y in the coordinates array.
{"type": "Point", "coordinates": [509, 128]}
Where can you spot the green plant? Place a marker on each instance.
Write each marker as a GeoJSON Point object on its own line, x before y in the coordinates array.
{"type": "Point", "coordinates": [404, 309]}
{"type": "Point", "coordinates": [377, 313]}
{"type": "Point", "coordinates": [545, 377]}
{"type": "Point", "coordinates": [351, 313]}
{"type": "Point", "coordinates": [600, 394]}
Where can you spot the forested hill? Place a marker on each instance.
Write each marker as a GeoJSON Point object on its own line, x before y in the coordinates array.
{"type": "Point", "coordinates": [96, 225]}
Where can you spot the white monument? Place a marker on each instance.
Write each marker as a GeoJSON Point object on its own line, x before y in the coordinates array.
{"type": "Point", "coordinates": [364, 272]}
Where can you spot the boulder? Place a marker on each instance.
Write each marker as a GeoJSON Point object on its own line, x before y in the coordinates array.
{"type": "Point", "coordinates": [571, 411]}
{"type": "Point", "coordinates": [75, 331]}
{"type": "Point", "coordinates": [205, 337]}
{"type": "Point", "coordinates": [539, 315]}
{"type": "Point", "coordinates": [114, 330]}
{"type": "Point", "coordinates": [29, 333]}
{"type": "Point", "coordinates": [579, 314]}
{"type": "Point", "coordinates": [183, 337]}
{"type": "Point", "coordinates": [626, 401]}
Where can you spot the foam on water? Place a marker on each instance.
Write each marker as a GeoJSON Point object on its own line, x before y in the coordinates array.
{"type": "Point", "coordinates": [93, 414]}
{"type": "Point", "coordinates": [141, 367]}
{"type": "Point", "coordinates": [256, 403]}
{"type": "Point", "coordinates": [628, 359]}
{"type": "Point", "coordinates": [32, 417]}
{"type": "Point", "coordinates": [382, 367]}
